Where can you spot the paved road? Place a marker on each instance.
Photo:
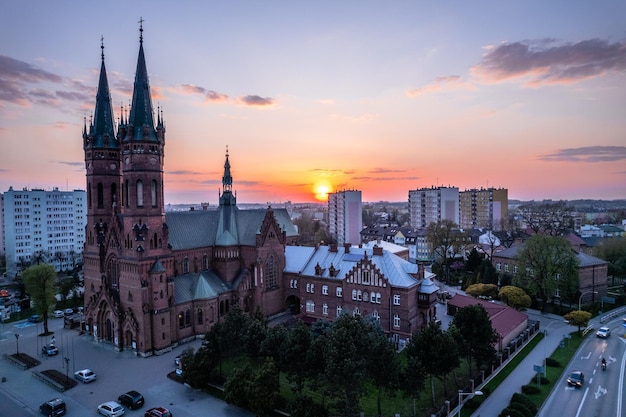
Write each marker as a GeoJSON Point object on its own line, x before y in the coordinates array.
{"type": "Point", "coordinates": [117, 373]}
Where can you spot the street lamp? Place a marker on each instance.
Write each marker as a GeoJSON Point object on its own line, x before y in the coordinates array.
{"type": "Point", "coordinates": [17, 343]}
{"type": "Point", "coordinates": [581, 297]}
{"type": "Point", "coordinates": [461, 394]}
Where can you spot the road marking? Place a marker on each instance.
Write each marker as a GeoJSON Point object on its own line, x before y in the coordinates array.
{"type": "Point", "coordinates": [586, 357]}
{"type": "Point", "coordinates": [24, 324]}
{"type": "Point", "coordinates": [582, 402]}
{"type": "Point", "coordinates": [620, 387]}
{"type": "Point", "coordinates": [600, 391]}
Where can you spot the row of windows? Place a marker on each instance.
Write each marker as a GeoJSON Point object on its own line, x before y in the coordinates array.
{"type": "Point", "coordinates": [357, 295]}
{"type": "Point", "coordinates": [310, 308]}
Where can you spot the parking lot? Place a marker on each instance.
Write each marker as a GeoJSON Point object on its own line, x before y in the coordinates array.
{"type": "Point", "coordinates": [117, 373]}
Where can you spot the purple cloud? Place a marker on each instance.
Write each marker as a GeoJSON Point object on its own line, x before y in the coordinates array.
{"type": "Point", "coordinates": [550, 62]}
{"type": "Point", "coordinates": [587, 154]}
{"type": "Point", "coordinates": [258, 101]}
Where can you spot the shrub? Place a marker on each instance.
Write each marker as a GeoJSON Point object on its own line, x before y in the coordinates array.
{"type": "Point", "coordinates": [553, 363]}
{"type": "Point", "coordinates": [522, 399]}
{"type": "Point", "coordinates": [530, 389]}
{"type": "Point", "coordinates": [525, 411]}
{"type": "Point", "coordinates": [511, 412]}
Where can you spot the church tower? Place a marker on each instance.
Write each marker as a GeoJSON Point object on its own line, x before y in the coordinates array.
{"type": "Point", "coordinates": [130, 304]}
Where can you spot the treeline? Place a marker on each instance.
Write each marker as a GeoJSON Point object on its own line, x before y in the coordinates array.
{"type": "Point", "coordinates": [329, 367]}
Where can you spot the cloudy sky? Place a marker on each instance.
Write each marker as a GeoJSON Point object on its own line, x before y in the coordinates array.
{"type": "Point", "coordinates": [377, 96]}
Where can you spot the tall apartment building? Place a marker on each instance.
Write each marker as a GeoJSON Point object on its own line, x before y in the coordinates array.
{"type": "Point", "coordinates": [43, 225]}
{"type": "Point", "coordinates": [483, 208]}
{"type": "Point", "coordinates": [428, 205]}
{"type": "Point", "coordinates": [345, 217]}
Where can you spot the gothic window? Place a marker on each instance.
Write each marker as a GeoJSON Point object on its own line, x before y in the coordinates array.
{"type": "Point", "coordinates": [185, 265]}
{"type": "Point", "coordinates": [113, 193]}
{"type": "Point", "coordinates": [188, 318]}
{"type": "Point", "coordinates": [89, 196]}
{"type": "Point", "coordinates": [100, 195]}
{"type": "Point", "coordinates": [181, 320]}
{"type": "Point", "coordinates": [199, 314]}
{"type": "Point", "coordinates": [139, 193]}
{"type": "Point", "coordinates": [153, 193]}
{"type": "Point", "coordinates": [112, 272]}
{"type": "Point", "coordinates": [270, 273]}
{"type": "Point", "coordinates": [125, 194]}
{"type": "Point", "coordinates": [366, 277]}
{"type": "Point", "coordinates": [205, 262]}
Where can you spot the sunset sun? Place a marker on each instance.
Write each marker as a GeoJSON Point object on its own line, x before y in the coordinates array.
{"type": "Point", "coordinates": [321, 192]}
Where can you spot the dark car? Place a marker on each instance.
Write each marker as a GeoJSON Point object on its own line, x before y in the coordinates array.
{"type": "Point", "coordinates": [35, 318]}
{"type": "Point", "coordinates": [49, 350]}
{"type": "Point", "coordinates": [158, 412]}
{"type": "Point", "coordinates": [131, 399]}
{"type": "Point", "coordinates": [576, 379]}
{"type": "Point", "coordinates": [54, 407]}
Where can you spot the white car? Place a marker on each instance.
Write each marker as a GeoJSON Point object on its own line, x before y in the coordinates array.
{"type": "Point", "coordinates": [85, 376]}
{"type": "Point", "coordinates": [111, 409]}
{"type": "Point", "coordinates": [603, 332]}
{"type": "Point", "coordinates": [59, 314]}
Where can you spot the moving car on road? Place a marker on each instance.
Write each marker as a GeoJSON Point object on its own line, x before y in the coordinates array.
{"type": "Point", "coordinates": [111, 409]}
{"type": "Point", "coordinates": [603, 332]}
{"type": "Point", "coordinates": [55, 407]}
{"type": "Point", "coordinates": [576, 379]}
{"type": "Point", "coordinates": [85, 376]}
{"type": "Point", "coordinates": [131, 399]}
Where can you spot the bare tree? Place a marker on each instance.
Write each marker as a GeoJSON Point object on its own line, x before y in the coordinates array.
{"type": "Point", "coordinates": [546, 218]}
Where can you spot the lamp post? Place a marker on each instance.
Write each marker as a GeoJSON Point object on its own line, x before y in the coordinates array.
{"type": "Point", "coordinates": [581, 297]}
{"type": "Point", "coordinates": [461, 394]}
{"type": "Point", "coordinates": [17, 343]}
{"type": "Point", "coordinates": [67, 368]}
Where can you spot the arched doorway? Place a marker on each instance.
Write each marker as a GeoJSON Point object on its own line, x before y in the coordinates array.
{"type": "Point", "coordinates": [292, 304]}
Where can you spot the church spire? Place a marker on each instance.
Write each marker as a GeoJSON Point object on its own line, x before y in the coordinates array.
{"type": "Point", "coordinates": [227, 197]}
{"type": "Point", "coordinates": [101, 132]}
{"type": "Point", "coordinates": [141, 117]}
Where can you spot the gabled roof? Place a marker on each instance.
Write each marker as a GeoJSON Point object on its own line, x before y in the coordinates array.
{"type": "Point", "coordinates": [199, 228]}
{"type": "Point", "coordinates": [399, 272]}
{"type": "Point", "coordinates": [197, 286]}
{"type": "Point", "coordinates": [504, 319]}
{"type": "Point", "coordinates": [583, 258]}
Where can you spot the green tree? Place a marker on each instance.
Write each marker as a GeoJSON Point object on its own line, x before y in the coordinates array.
{"type": "Point", "coordinates": [515, 297]}
{"type": "Point", "coordinates": [446, 240]}
{"type": "Point", "coordinates": [436, 353]}
{"type": "Point", "coordinates": [547, 264]}
{"type": "Point", "coordinates": [578, 318]}
{"type": "Point", "coordinates": [473, 261]}
{"type": "Point", "coordinates": [485, 290]}
{"type": "Point", "coordinates": [614, 252]}
{"type": "Point", "coordinates": [295, 351]}
{"type": "Point", "coordinates": [39, 283]}
{"type": "Point", "coordinates": [475, 328]}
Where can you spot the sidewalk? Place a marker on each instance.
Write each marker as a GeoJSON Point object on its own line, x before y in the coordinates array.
{"type": "Point", "coordinates": [555, 328]}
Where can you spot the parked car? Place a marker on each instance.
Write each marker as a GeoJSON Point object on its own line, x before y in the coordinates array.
{"type": "Point", "coordinates": [59, 314]}
{"type": "Point", "coordinates": [111, 409]}
{"type": "Point", "coordinates": [576, 378]}
{"type": "Point", "coordinates": [85, 376]}
{"type": "Point", "coordinates": [603, 332]}
{"type": "Point", "coordinates": [54, 407]}
{"type": "Point", "coordinates": [49, 350]}
{"type": "Point", "coordinates": [68, 311]}
{"type": "Point", "coordinates": [131, 399]}
{"type": "Point", "coordinates": [158, 412]}
{"type": "Point", "coordinates": [35, 318]}
{"type": "Point", "coordinates": [177, 360]}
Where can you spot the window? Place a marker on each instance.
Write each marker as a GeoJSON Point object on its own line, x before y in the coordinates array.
{"type": "Point", "coordinates": [376, 315]}
{"type": "Point", "coordinates": [325, 309]}
{"type": "Point", "coordinates": [339, 292]}
{"type": "Point", "coordinates": [139, 193]}
{"type": "Point", "coordinates": [153, 193]}
{"type": "Point", "coordinates": [365, 296]}
{"type": "Point", "coordinates": [356, 312]}
{"type": "Point", "coordinates": [366, 277]}
{"type": "Point", "coordinates": [185, 265]}
{"type": "Point", "coordinates": [515, 269]}
{"type": "Point", "coordinates": [498, 266]}
{"type": "Point", "coordinates": [354, 295]}
{"type": "Point", "coordinates": [199, 316]}
{"type": "Point", "coordinates": [310, 306]}
{"type": "Point", "coordinates": [396, 300]}
{"type": "Point", "coordinates": [325, 289]}
{"type": "Point", "coordinates": [271, 278]}
{"type": "Point", "coordinates": [377, 298]}
{"type": "Point", "coordinates": [339, 311]}
{"type": "Point", "coordinates": [396, 320]}
{"type": "Point", "coordinates": [359, 295]}
{"type": "Point", "coordinates": [506, 267]}
{"type": "Point", "coordinates": [373, 297]}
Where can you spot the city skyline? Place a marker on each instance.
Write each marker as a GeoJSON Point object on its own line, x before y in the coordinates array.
{"type": "Point", "coordinates": [383, 98]}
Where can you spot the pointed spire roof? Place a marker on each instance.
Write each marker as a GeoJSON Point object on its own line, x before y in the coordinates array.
{"type": "Point", "coordinates": [227, 197]}
{"type": "Point", "coordinates": [103, 128]}
{"type": "Point", "coordinates": [141, 111]}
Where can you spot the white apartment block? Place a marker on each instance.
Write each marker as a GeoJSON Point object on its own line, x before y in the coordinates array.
{"type": "Point", "coordinates": [484, 208]}
{"type": "Point", "coordinates": [43, 226]}
{"type": "Point", "coordinates": [345, 216]}
{"type": "Point", "coordinates": [428, 205]}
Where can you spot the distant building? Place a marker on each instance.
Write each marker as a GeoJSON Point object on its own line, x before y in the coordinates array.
{"type": "Point", "coordinates": [345, 216]}
{"type": "Point", "coordinates": [483, 208]}
{"type": "Point", "coordinates": [428, 205]}
{"type": "Point", "coordinates": [43, 226]}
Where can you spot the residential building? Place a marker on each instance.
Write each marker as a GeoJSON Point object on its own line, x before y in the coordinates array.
{"type": "Point", "coordinates": [43, 226]}
{"type": "Point", "coordinates": [483, 208]}
{"type": "Point", "coordinates": [345, 216]}
{"type": "Point", "coordinates": [428, 205]}
{"type": "Point", "coordinates": [154, 279]}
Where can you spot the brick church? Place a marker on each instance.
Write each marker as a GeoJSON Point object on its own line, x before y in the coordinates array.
{"type": "Point", "coordinates": [156, 279]}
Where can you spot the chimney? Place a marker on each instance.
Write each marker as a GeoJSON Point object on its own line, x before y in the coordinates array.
{"type": "Point", "coordinates": [377, 250]}
{"type": "Point", "coordinates": [420, 270]}
{"type": "Point", "coordinates": [346, 247]}
{"type": "Point", "coordinates": [333, 247]}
